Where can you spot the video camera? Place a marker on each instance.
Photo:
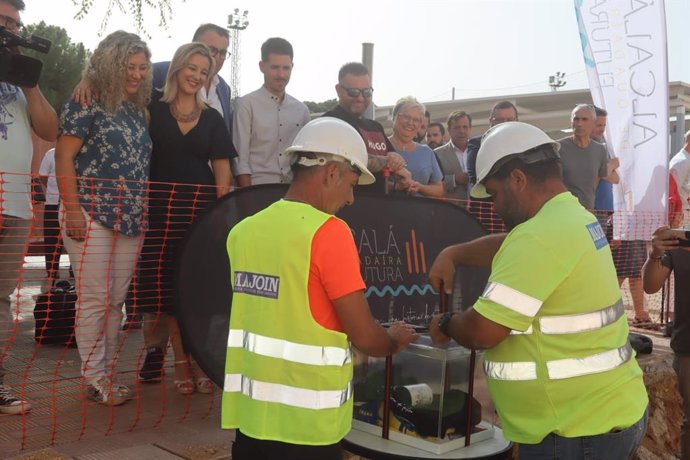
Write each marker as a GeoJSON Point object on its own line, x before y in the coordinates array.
{"type": "Point", "coordinates": [17, 69]}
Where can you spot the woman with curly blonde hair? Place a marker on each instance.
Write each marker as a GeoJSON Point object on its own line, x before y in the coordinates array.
{"type": "Point", "coordinates": [102, 165]}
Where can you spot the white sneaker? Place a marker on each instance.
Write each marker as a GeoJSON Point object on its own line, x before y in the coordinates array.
{"type": "Point", "coordinates": [104, 391]}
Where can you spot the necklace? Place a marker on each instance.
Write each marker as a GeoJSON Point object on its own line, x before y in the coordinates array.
{"type": "Point", "coordinates": [402, 145]}
{"type": "Point", "coordinates": [185, 117]}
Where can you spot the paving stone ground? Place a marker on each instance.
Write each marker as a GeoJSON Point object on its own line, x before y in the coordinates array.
{"type": "Point", "coordinates": [157, 424]}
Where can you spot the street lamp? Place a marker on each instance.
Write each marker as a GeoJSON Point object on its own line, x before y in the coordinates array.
{"type": "Point", "coordinates": [556, 81]}
{"type": "Point", "coordinates": [236, 23]}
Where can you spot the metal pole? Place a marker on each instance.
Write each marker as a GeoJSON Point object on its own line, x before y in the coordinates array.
{"type": "Point", "coordinates": [237, 22]}
{"type": "Point", "coordinates": [368, 61]}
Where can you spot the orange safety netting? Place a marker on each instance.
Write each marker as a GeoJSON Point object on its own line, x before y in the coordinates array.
{"type": "Point", "coordinates": [49, 374]}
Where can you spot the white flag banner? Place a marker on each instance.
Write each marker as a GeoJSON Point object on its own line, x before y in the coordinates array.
{"type": "Point", "coordinates": [624, 46]}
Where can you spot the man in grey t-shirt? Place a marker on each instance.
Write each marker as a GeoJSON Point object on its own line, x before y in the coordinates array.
{"type": "Point", "coordinates": [584, 160]}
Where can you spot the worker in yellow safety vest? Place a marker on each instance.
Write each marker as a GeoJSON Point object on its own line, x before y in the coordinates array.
{"type": "Point", "coordinates": [298, 301]}
{"type": "Point", "coordinates": [558, 362]}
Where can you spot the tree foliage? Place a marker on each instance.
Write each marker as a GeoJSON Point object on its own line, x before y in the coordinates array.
{"type": "Point", "coordinates": [320, 107]}
{"type": "Point", "coordinates": [136, 8]}
{"type": "Point", "coordinates": [62, 66]}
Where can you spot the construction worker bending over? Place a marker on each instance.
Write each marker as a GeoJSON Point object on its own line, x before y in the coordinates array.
{"type": "Point", "coordinates": [558, 362]}
{"type": "Point", "coordinates": [298, 302]}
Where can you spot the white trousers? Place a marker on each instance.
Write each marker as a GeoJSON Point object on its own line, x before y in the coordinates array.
{"type": "Point", "coordinates": [103, 266]}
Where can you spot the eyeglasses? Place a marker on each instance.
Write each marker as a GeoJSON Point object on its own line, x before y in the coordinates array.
{"type": "Point", "coordinates": [409, 119]}
{"type": "Point", "coordinates": [215, 52]}
{"type": "Point", "coordinates": [498, 121]}
{"type": "Point", "coordinates": [11, 23]}
{"type": "Point", "coordinates": [355, 92]}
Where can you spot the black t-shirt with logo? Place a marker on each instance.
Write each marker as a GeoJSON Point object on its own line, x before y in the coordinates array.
{"type": "Point", "coordinates": [374, 138]}
{"type": "Point", "coordinates": [678, 260]}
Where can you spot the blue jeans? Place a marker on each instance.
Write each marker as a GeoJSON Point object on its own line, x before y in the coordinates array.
{"type": "Point", "coordinates": [608, 446]}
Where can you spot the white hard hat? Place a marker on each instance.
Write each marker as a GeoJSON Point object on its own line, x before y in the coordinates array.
{"type": "Point", "coordinates": [337, 139]}
{"type": "Point", "coordinates": [507, 139]}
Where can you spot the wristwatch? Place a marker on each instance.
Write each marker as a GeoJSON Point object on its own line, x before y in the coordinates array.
{"type": "Point", "coordinates": [444, 322]}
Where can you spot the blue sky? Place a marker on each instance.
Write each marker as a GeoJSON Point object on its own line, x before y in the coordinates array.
{"type": "Point", "coordinates": [424, 48]}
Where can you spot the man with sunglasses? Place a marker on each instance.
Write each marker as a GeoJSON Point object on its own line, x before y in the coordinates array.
{"type": "Point", "coordinates": [267, 120]}
{"type": "Point", "coordinates": [354, 96]}
{"type": "Point", "coordinates": [22, 110]}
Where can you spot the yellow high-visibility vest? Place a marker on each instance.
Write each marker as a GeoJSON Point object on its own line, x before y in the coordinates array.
{"type": "Point", "coordinates": [287, 378]}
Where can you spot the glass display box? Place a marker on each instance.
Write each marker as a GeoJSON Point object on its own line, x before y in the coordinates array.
{"type": "Point", "coordinates": [437, 396]}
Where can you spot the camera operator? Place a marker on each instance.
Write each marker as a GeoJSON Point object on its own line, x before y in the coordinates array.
{"type": "Point", "coordinates": [21, 110]}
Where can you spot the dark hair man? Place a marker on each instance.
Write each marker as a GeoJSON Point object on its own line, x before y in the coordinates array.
{"type": "Point", "coordinates": [603, 196]}
{"type": "Point", "coordinates": [501, 112]}
{"type": "Point", "coordinates": [628, 255]}
{"type": "Point", "coordinates": [22, 110]}
{"type": "Point", "coordinates": [434, 135]}
{"type": "Point", "coordinates": [267, 120]}
{"type": "Point", "coordinates": [354, 96]}
{"type": "Point", "coordinates": [298, 301]}
{"type": "Point", "coordinates": [558, 362]}
{"type": "Point", "coordinates": [452, 157]}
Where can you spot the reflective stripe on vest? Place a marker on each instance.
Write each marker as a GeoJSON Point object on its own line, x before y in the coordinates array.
{"type": "Point", "coordinates": [570, 324]}
{"type": "Point", "coordinates": [561, 368]}
{"type": "Point", "coordinates": [511, 371]}
{"type": "Point", "coordinates": [527, 331]}
{"type": "Point", "coordinates": [512, 299]}
{"type": "Point", "coordinates": [288, 395]}
{"type": "Point", "coordinates": [575, 367]}
{"type": "Point", "coordinates": [289, 351]}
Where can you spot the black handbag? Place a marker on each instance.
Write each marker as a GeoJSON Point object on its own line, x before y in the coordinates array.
{"type": "Point", "coordinates": [54, 314]}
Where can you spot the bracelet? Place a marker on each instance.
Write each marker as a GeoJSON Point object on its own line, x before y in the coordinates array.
{"type": "Point", "coordinates": [653, 257]}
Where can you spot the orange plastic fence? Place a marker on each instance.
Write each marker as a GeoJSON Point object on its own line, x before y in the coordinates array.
{"type": "Point", "coordinates": [49, 375]}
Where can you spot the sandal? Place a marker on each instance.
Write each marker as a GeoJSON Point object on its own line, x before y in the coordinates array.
{"type": "Point", "coordinates": [184, 386]}
{"type": "Point", "coordinates": [204, 385]}
{"type": "Point", "coordinates": [645, 323]}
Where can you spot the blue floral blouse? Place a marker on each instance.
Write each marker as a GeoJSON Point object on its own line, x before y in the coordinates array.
{"type": "Point", "coordinates": [112, 164]}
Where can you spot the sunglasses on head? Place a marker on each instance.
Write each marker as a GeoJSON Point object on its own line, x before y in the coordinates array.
{"type": "Point", "coordinates": [354, 92]}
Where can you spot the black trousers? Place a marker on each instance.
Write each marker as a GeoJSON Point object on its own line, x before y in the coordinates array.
{"type": "Point", "coordinates": [52, 241]}
{"type": "Point", "coordinates": [246, 448]}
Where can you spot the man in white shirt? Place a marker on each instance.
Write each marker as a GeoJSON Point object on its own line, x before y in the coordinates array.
{"type": "Point", "coordinates": [680, 170]}
{"type": "Point", "coordinates": [22, 109]}
{"type": "Point", "coordinates": [266, 121]}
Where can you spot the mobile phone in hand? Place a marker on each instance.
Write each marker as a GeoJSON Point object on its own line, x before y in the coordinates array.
{"type": "Point", "coordinates": [680, 233]}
